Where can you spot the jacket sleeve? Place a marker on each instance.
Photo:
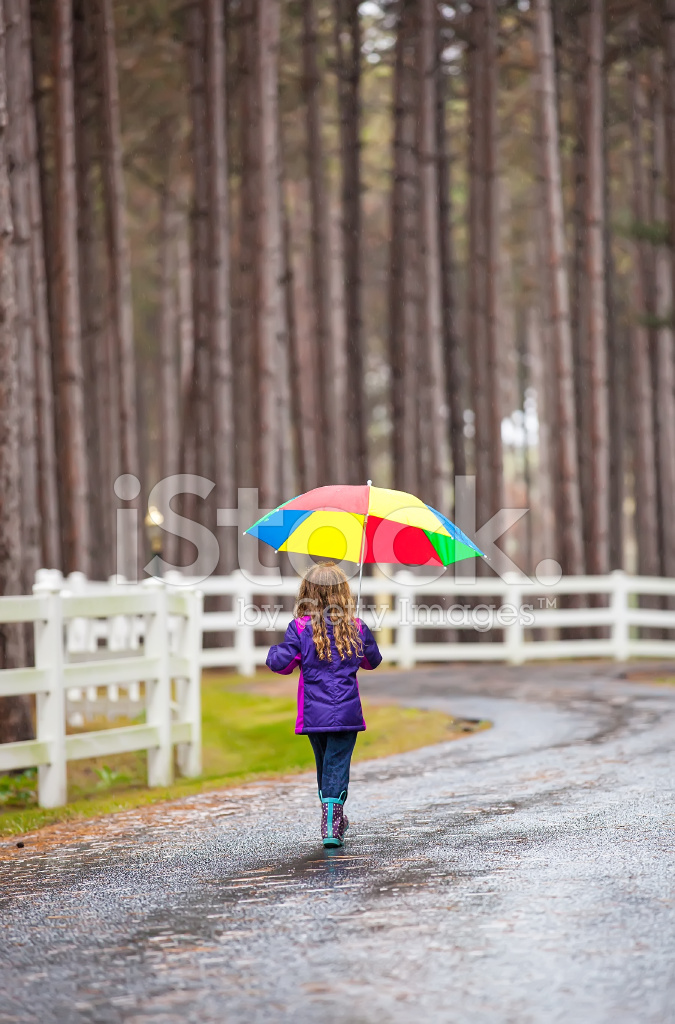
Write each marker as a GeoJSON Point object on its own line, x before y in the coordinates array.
{"type": "Point", "coordinates": [371, 652]}
{"type": "Point", "coordinates": [284, 657]}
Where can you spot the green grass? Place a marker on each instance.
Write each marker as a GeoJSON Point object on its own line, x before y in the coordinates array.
{"type": "Point", "coordinates": [245, 735]}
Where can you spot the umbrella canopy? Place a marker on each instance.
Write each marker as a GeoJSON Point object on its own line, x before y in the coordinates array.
{"type": "Point", "coordinates": [364, 524]}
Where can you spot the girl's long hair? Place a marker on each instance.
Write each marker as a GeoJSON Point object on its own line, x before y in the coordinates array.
{"type": "Point", "coordinates": [325, 591]}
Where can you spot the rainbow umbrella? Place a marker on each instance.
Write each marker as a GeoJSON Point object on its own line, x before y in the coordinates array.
{"type": "Point", "coordinates": [364, 524]}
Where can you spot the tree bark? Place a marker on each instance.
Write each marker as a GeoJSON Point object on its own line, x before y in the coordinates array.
{"type": "Point", "coordinates": [597, 553]}
{"type": "Point", "coordinates": [543, 506]}
{"type": "Point", "coordinates": [452, 345]}
{"type": "Point", "coordinates": [169, 431]}
{"type": "Point", "coordinates": [246, 312]}
{"type": "Point", "coordinates": [201, 383]}
{"type": "Point", "coordinates": [404, 257]}
{"type": "Point", "coordinates": [44, 385]}
{"type": "Point", "coordinates": [571, 526]}
{"type": "Point", "coordinates": [120, 262]}
{"type": "Point", "coordinates": [668, 13]}
{"type": "Point", "coordinates": [430, 256]}
{"type": "Point", "coordinates": [270, 252]}
{"type": "Point", "coordinates": [492, 237]}
{"type": "Point", "coordinates": [304, 371]}
{"type": "Point", "coordinates": [18, 97]}
{"type": "Point", "coordinates": [477, 285]}
{"type": "Point", "coordinates": [320, 264]}
{"type": "Point", "coordinates": [644, 453]}
{"type": "Point", "coordinates": [348, 60]}
{"type": "Point", "coordinates": [287, 450]}
{"type": "Point", "coordinates": [579, 286]}
{"type": "Point", "coordinates": [70, 378]}
{"type": "Point", "coordinates": [186, 334]}
{"type": "Point", "coordinates": [664, 355]}
{"type": "Point", "coordinates": [295, 365]}
{"type": "Point", "coordinates": [120, 272]}
{"type": "Point", "coordinates": [219, 274]}
{"type": "Point", "coordinates": [93, 293]}
{"type": "Point", "coordinates": [15, 723]}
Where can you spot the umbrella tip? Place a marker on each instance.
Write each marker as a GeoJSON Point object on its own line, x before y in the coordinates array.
{"type": "Point", "coordinates": [370, 483]}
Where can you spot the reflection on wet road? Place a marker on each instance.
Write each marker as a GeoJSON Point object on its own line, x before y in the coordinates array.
{"type": "Point", "coordinates": [524, 874]}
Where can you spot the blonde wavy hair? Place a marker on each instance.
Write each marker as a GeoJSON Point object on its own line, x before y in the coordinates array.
{"type": "Point", "coordinates": [325, 591]}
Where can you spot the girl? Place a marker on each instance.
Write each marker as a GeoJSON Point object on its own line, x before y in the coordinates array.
{"type": "Point", "coordinates": [329, 644]}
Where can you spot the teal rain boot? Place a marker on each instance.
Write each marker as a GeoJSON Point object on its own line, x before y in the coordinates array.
{"type": "Point", "coordinates": [334, 824]}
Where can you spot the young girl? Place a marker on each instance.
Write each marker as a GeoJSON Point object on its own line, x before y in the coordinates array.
{"type": "Point", "coordinates": [329, 644]}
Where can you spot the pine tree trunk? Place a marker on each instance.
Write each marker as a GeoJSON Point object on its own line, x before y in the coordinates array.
{"type": "Point", "coordinates": [118, 244]}
{"type": "Point", "coordinates": [571, 526]}
{"type": "Point", "coordinates": [579, 286]}
{"type": "Point", "coordinates": [547, 394]}
{"type": "Point", "coordinates": [18, 96]}
{"type": "Point", "coordinates": [542, 502]}
{"type": "Point", "coordinates": [404, 259]}
{"type": "Point", "coordinates": [287, 449]}
{"type": "Point", "coordinates": [597, 553]}
{"type": "Point", "coordinates": [119, 258]}
{"type": "Point", "coordinates": [618, 346]}
{"type": "Point", "coordinates": [15, 719]}
{"type": "Point", "coordinates": [664, 355]}
{"type": "Point", "coordinates": [219, 274]}
{"type": "Point", "coordinates": [669, 32]}
{"type": "Point", "coordinates": [44, 386]}
{"type": "Point", "coordinates": [169, 432]}
{"type": "Point", "coordinates": [270, 255]}
{"type": "Point", "coordinates": [304, 371]}
{"type": "Point", "coordinates": [186, 334]}
{"type": "Point", "coordinates": [453, 351]}
{"type": "Point", "coordinates": [295, 365]}
{"type": "Point", "coordinates": [200, 401]}
{"type": "Point", "coordinates": [477, 286]}
{"type": "Point", "coordinates": [348, 60]}
{"type": "Point", "coordinates": [10, 436]}
{"type": "Point", "coordinates": [93, 292]}
{"type": "Point", "coordinates": [492, 244]}
{"type": "Point", "coordinates": [70, 377]}
{"type": "Point", "coordinates": [246, 310]}
{"type": "Point", "coordinates": [430, 256]}
{"type": "Point", "coordinates": [644, 455]}
{"type": "Point", "coordinates": [320, 263]}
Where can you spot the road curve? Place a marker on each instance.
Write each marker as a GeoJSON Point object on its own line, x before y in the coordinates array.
{"type": "Point", "coordinates": [522, 875]}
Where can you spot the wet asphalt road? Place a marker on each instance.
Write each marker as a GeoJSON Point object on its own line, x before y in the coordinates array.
{"type": "Point", "coordinates": [524, 874]}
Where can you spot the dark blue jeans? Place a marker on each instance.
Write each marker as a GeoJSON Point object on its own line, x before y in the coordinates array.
{"type": "Point", "coordinates": [333, 753]}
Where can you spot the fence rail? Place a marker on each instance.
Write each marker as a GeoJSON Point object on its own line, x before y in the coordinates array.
{"type": "Point", "coordinates": [150, 641]}
{"type": "Point", "coordinates": [525, 627]}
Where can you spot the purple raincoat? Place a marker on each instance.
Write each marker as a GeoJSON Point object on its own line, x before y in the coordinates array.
{"type": "Point", "coordinates": [328, 691]}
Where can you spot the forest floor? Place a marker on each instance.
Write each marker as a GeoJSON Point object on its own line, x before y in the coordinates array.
{"type": "Point", "coordinates": [247, 733]}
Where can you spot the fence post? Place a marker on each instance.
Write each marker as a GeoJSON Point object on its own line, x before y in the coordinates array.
{"type": "Point", "coordinates": [50, 705]}
{"type": "Point", "coordinates": [513, 633]}
{"type": "Point", "coordinates": [158, 690]}
{"type": "Point", "coordinates": [405, 630]}
{"type": "Point", "coordinates": [190, 754]}
{"type": "Point", "coordinates": [620, 628]}
{"type": "Point", "coordinates": [244, 633]}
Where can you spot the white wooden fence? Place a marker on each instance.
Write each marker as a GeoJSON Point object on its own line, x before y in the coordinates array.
{"type": "Point", "coordinates": [166, 663]}
{"type": "Point", "coordinates": [119, 636]}
{"type": "Point", "coordinates": [526, 616]}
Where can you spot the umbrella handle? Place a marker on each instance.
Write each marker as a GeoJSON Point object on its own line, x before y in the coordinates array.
{"type": "Point", "coordinates": [361, 557]}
